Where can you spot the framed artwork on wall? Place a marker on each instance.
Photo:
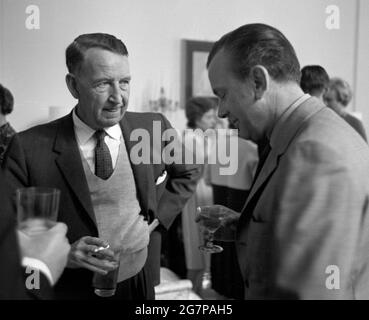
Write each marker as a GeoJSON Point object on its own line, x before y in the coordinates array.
{"type": "Point", "coordinates": [196, 75]}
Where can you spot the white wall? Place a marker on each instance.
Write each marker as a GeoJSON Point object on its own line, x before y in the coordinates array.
{"type": "Point", "coordinates": [361, 91]}
{"type": "Point", "coordinates": [32, 61]}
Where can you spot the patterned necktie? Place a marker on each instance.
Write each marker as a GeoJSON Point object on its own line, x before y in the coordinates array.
{"type": "Point", "coordinates": [263, 150]}
{"type": "Point", "coordinates": [103, 162]}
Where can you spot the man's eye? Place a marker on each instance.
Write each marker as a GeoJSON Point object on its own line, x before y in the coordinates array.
{"type": "Point", "coordinates": [124, 84]}
{"type": "Point", "coordinates": [102, 85]}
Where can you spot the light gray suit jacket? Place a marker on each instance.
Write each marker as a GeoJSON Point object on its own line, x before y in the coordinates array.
{"type": "Point", "coordinates": [304, 231]}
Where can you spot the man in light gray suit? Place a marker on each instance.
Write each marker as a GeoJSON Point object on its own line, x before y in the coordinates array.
{"type": "Point", "coordinates": [304, 230]}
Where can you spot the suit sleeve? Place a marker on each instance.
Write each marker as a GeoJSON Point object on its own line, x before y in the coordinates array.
{"type": "Point", "coordinates": [15, 167]}
{"type": "Point", "coordinates": [316, 225]}
{"type": "Point", "coordinates": [180, 186]}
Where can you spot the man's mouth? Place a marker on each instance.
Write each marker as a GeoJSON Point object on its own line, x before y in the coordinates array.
{"type": "Point", "coordinates": [113, 109]}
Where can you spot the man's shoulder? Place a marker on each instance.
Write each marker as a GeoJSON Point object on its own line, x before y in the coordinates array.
{"type": "Point", "coordinates": [146, 120]}
{"type": "Point", "coordinates": [326, 135]}
{"type": "Point", "coordinates": [43, 130]}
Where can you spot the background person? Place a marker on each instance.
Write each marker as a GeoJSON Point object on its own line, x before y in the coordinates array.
{"type": "Point", "coordinates": [200, 113]}
{"type": "Point", "coordinates": [314, 81]}
{"type": "Point", "coordinates": [337, 98]}
{"type": "Point", "coordinates": [6, 130]}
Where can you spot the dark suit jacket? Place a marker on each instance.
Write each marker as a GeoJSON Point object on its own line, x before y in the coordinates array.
{"type": "Point", "coordinates": [305, 224]}
{"type": "Point", "coordinates": [12, 275]}
{"type": "Point", "coordinates": [48, 155]}
{"type": "Point", "coordinates": [355, 123]}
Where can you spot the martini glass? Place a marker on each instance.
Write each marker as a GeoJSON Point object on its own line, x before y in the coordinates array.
{"type": "Point", "coordinates": [210, 224]}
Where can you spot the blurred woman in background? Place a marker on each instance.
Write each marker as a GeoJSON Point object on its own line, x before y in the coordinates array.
{"type": "Point", "coordinates": [337, 98]}
{"type": "Point", "coordinates": [201, 116]}
{"type": "Point", "coordinates": [6, 130]}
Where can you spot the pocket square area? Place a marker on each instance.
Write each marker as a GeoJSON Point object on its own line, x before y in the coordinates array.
{"type": "Point", "coordinates": [161, 178]}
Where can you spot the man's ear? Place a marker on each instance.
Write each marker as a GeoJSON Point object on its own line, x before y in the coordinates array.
{"type": "Point", "coordinates": [260, 78]}
{"type": "Point", "coordinates": [72, 85]}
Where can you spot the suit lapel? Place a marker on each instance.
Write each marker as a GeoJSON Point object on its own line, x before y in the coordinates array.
{"type": "Point", "coordinates": [70, 164]}
{"type": "Point", "coordinates": [140, 171]}
{"type": "Point", "coordinates": [268, 168]}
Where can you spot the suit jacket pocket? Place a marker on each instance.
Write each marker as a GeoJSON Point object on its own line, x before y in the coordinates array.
{"type": "Point", "coordinates": [160, 188]}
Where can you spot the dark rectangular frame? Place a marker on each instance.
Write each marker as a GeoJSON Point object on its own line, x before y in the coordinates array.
{"type": "Point", "coordinates": [192, 46]}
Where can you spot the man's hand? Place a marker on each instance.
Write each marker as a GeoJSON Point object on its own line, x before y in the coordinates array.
{"type": "Point", "coordinates": [86, 253]}
{"type": "Point", "coordinates": [229, 218]}
{"type": "Point", "coordinates": [51, 247]}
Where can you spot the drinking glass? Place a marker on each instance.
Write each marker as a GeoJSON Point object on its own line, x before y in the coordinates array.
{"type": "Point", "coordinates": [105, 285]}
{"type": "Point", "coordinates": [37, 208]}
{"type": "Point", "coordinates": [210, 223]}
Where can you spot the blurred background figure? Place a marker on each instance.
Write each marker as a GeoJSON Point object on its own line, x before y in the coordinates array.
{"type": "Point", "coordinates": [201, 114]}
{"type": "Point", "coordinates": [182, 254]}
{"type": "Point", "coordinates": [231, 191]}
{"type": "Point", "coordinates": [314, 81]}
{"type": "Point", "coordinates": [337, 98]}
{"type": "Point", "coordinates": [6, 130]}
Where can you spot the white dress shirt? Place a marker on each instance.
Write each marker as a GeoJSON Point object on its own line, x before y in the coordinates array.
{"type": "Point", "coordinates": [87, 142]}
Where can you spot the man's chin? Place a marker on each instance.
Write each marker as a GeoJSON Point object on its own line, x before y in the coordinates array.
{"type": "Point", "coordinates": [111, 121]}
{"type": "Point", "coordinates": [244, 134]}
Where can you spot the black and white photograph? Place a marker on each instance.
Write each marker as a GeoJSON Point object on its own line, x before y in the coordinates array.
{"type": "Point", "coordinates": [184, 155]}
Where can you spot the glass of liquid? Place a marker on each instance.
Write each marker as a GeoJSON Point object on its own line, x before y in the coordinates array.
{"type": "Point", "coordinates": [210, 223]}
{"type": "Point", "coordinates": [105, 285]}
{"type": "Point", "coordinates": [37, 209]}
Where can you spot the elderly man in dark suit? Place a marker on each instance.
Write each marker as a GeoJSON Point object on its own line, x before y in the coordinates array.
{"type": "Point", "coordinates": [44, 254]}
{"type": "Point", "coordinates": [304, 230]}
{"type": "Point", "coordinates": [108, 196]}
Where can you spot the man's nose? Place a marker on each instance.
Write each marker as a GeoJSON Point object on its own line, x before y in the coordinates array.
{"type": "Point", "coordinates": [116, 95]}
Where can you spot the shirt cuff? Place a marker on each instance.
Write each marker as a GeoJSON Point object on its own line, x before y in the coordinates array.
{"type": "Point", "coordinates": [40, 265]}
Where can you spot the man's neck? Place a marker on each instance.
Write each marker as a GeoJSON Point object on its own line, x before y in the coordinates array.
{"type": "Point", "coordinates": [282, 97]}
{"type": "Point", "coordinates": [318, 94]}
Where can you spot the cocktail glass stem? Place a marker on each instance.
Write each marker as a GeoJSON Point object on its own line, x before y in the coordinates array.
{"type": "Point", "coordinates": [209, 241]}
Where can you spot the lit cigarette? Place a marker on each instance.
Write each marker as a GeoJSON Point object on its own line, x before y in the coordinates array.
{"type": "Point", "coordinates": [101, 248]}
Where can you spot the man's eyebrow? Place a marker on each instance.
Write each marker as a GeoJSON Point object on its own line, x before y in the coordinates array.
{"type": "Point", "coordinates": [110, 79]}
{"type": "Point", "coordinates": [101, 79]}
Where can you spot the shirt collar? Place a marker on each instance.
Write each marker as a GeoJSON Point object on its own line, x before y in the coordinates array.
{"type": "Point", "coordinates": [115, 132]}
{"type": "Point", "coordinates": [84, 132]}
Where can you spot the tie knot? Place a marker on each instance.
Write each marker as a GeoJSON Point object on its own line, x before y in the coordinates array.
{"type": "Point", "coordinates": [100, 135]}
